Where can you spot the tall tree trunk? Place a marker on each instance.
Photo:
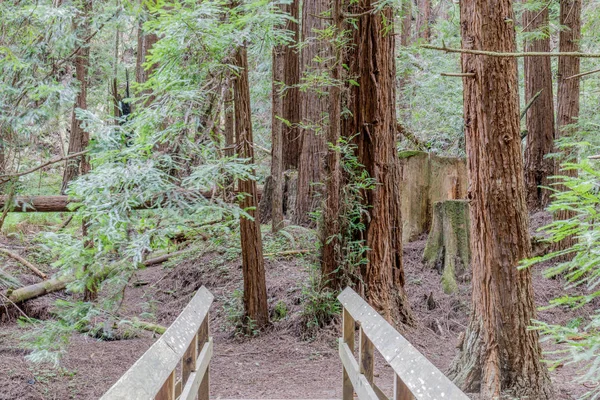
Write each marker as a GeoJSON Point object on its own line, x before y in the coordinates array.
{"type": "Point", "coordinates": [313, 112]}
{"type": "Point", "coordinates": [374, 114]}
{"type": "Point", "coordinates": [253, 263]}
{"type": "Point", "coordinates": [406, 22]}
{"type": "Point", "coordinates": [79, 139]}
{"type": "Point", "coordinates": [284, 152]}
{"type": "Point", "coordinates": [277, 138]}
{"type": "Point", "coordinates": [567, 96]}
{"type": "Point", "coordinates": [145, 41]}
{"type": "Point", "coordinates": [540, 116]}
{"type": "Point", "coordinates": [423, 20]}
{"type": "Point", "coordinates": [291, 97]}
{"type": "Point", "coordinates": [331, 253]}
{"type": "Point", "coordinates": [498, 352]}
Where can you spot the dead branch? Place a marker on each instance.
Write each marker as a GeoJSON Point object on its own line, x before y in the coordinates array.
{"type": "Point", "coordinates": [530, 103]}
{"type": "Point", "coordinates": [24, 262]}
{"type": "Point", "coordinates": [459, 75]}
{"type": "Point", "coordinates": [522, 54]}
{"type": "Point", "coordinates": [582, 74]}
{"type": "Point", "coordinates": [288, 253]}
{"type": "Point", "coordinates": [7, 178]}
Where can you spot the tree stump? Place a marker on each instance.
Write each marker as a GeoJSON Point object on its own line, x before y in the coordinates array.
{"type": "Point", "coordinates": [427, 179]}
{"type": "Point", "coordinates": [447, 248]}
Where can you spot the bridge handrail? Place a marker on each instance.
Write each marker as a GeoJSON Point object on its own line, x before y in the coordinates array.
{"type": "Point", "coordinates": [415, 376]}
{"type": "Point", "coordinates": [153, 376]}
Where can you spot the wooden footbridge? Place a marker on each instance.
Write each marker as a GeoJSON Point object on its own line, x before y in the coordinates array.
{"type": "Point", "coordinates": [177, 366]}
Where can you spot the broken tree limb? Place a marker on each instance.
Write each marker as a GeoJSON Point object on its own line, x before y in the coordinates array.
{"type": "Point", "coordinates": [529, 104]}
{"type": "Point", "coordinates": [39, 289]}
{"type": "Point", "coordinates": [24, 262]}
{"type": "Point", "coordinates": [458, 74]}
{"type": "Point", "coordinates": [165, 257]}
{"type": "Point", "coordinates": [583, 74]}
{"type": "Point", "coordinates": [6, 178]}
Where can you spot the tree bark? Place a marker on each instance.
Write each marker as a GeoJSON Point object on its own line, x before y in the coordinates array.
{"type": "Point", "coordinates": [423, 20]}
{"type": "Point", "coordinates": [374, 120]}
{"type": "Point", "coordinates": [276, 206]}
{"type": "Point", "coordinates": [498, 352]}
{"type": "Point", "coordinates": [406, 23]}
{"type": "Point", "coordinates": [567, 98]}
{"type": "Point", "coordinates": [79, 139]}
{"type": "Point", "coordinates": [331, 253]}
{"type": "Point", "coordinates": [253, 263]}
{"type": "Point", "coordinates": [145, 41]}
{"type": "Point", "coordinates": [291, 96]}
{"type": "Point", "coordinates": [540, 116]}
{"type": "Point", "coordinates": [313, 112]}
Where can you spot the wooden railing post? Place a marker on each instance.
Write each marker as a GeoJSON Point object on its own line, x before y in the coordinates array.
{"type": "Point", "coordinates": [348, 338]}
{"type": "Point", "coordinates": [401, 391]}
{"type": "Point", "coordinates": [204, 389]}
{"type": "Point", "coordinates": [167, 391]}
{"type": "Point", "coordinates": [365, 356]}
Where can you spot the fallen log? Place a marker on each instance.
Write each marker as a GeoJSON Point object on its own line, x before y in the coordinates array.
{"type": "Point", "coordinates": [38, 289]}
{"type": "Point", "coordinates": [62, 203]}
{"type": "Point", "coordinates": [24, 262]}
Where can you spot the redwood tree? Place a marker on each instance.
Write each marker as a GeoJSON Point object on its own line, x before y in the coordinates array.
{"type": "Point", "coordinates": [284, 117]}
{"type": "Point", "coordinates": [540, 116]}
{"type": "Point", "coordinates": [79, 138]}
{"type": "Point", "coordinates": [253, 263]}
{"type": "Point", "coordinates": [568, 93]}
{"type": "Point", "coordinates": [497, 352]}
{"type": "Point", "coordinates": [313, 111]}
{"type": "Point", "coordinates": [374, 124]}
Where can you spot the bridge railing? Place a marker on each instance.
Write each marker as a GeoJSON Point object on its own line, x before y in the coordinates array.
{"type": "Point", "coordinates": [186, 343]}
{"type": "Point", "coordinates": [415, 377]}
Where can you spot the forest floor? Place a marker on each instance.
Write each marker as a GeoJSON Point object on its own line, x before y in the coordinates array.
{"type": "Point", "coordinates": [283, 362]}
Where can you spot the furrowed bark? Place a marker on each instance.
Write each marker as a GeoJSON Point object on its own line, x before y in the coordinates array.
{"type": "Point", "coordinates": [253, 265]}
{"type": "Point", "coordinates": [374, 119]}
{"type": "Point", "coordinates": [540, 115]}
{"type": "Point", "coordinates": [498, 353]}
{"type": "Point", "coordinates": [568, 99]}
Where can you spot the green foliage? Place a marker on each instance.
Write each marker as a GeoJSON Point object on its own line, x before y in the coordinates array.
{"type": "Point", "coordinates": [320, 304]}
{"type": "Point", "coordinates": [236, 316]}
{"type": "Point", "coordinates": [280, 311]}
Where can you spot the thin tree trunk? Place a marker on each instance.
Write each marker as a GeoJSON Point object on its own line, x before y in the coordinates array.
{"type": "Point", "coordinates": [567, 97]}
{"type": "Point", "coordinates": [145, 41]}
{"type": "Point", "coordinates": [313, 113]}
{"type": "Point", "coordinates": [277, 137]}
{"type": "Point", "coordinates": [423, 20]}
{"type": "Point", "coordinates": [291, 97]}
{"type": "Point", "coordinates": [498, 353]}
{"type": "Point", "coordinates": [331, 228]}
{"type": "Point", "coordinates": [540, 116]}
{"type": "Point", "coordinates": [405, 33]}
{"type": "Point", "coordinates": [79, 139]}
{"type": "Point", "coordinates": [374, 114]}
{"type": "Point", "coordinates": [253, 263]}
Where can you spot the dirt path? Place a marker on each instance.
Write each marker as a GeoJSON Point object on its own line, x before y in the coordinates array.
{"type": "Point", "coordinates": [280, 363]}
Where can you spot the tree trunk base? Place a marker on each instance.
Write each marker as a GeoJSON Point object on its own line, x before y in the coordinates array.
{"type": "Point", "coordinates": [447, 248]}
{"type": "Point", "coordinates": [265, 205]}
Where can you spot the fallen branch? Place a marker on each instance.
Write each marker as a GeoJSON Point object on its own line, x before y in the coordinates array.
{"type": "Point", "coordinates": [39, 289]}
{"type": "Point", "coordinates": [288, 253]}
{"type": "Point", "coordinates": [24, 262]}
{"type": "Point", "coordinates": [7, 178]}
{"type": "Point", "coordinates": [401, 129]}
{"type": "Point", "coordinates": [149, 326]}
{"type": "Point", "coordinates": [161, 259]}
{"type": "Point", "coordinates": [501, 54]}
{"type": "Point", "coordinates": [459, 75]}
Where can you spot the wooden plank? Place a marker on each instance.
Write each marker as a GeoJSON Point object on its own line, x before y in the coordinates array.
{"type": "Point", "coordinates": [401, 392]}
{"type": "Point", "coordinates": [365, 356]}
{"type": "Point", "coordinates": [421, 377]}
{"type": "Point", "coordinates": [144, 379]}
{"type": "Point", "coordinates": [188, 362]}
{"type": "Point", "coordinates": [348, 338]}
{"type": "Point", "coordinates": [361, 385]}
{"type": "Point", "coordinates": [379, 392]}
{"type": "Point", "coordinates": [167, 391]}
{"type": "Point", "coordinates": [178, 388]}
{"type": "Point", "coordinates": [204, 389]}
{"type": "Point", "coordinates": [196, 377]}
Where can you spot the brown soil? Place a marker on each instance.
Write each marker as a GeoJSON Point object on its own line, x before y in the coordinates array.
{"type": "Point", "coordinates": [280, 362]}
